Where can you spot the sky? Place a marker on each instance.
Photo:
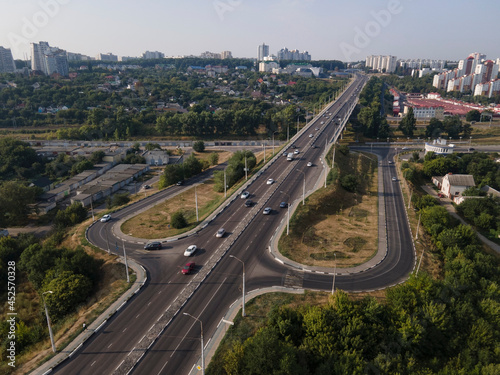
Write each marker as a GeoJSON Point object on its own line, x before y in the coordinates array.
{"type": "Point", "coordinates": [346, 30]}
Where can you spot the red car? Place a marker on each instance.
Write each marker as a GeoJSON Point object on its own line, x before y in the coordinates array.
{"type": "Point", "coordinates": [188, 268]}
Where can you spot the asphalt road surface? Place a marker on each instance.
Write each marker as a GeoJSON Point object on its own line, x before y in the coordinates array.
{"type": "Point", "coordinates": [151, 334]}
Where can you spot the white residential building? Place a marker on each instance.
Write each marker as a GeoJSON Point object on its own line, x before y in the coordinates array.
{"type": "Point", "coordinates": [382, 63]}
{"type": "Point", "coordinates": [267, 66]}
{"type": "Point", "coordinates": [48, 60]}
{"type": "Point", "coordinates": [263, 51]}
{"type": "Point", "coordinates": [7, 64]}
{"type": "Point", "coordinates": [153, 55]}
{"type": "Point", "coordinates": [106, 57]}
{"type": "Point", "coordinates": [455, 184]}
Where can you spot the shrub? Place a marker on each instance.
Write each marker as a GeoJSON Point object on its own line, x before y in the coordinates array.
{"type": "Point", "coordinates": [178, 220]}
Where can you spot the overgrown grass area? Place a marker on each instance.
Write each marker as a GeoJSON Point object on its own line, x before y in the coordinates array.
{"type": "Point", "coordinates": [335, 223]}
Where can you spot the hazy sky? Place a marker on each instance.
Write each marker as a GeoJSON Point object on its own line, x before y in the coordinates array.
{"type": "Point", "coordinates": [346, 30]}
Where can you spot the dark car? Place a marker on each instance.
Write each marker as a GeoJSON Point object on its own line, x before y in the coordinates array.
{"type": "Point", "coordinates": [283, 205]}
{"type": "Point", "coordinates": [188, 268]}
{"type": "Point", "coordinates": [249, 203]}
{"type": "Point", "coordinates": [153, 246]}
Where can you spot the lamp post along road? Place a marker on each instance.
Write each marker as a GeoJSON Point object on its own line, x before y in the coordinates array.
{"type": "Point", "coordinates": [48, 321]}
{"type": "Point", "coordinates": [126, 264]}
{"type": "Point", "coordinates": [288, 213]}
{"type": "Point", "coordinates": [196, 201]}
{"type": "Point", "coordinates": [303, 187]}
{"type": "Point", "coordinates": [202, 346]}
{"type": "Point", "coordinates": [243, 297]}
{"type": "Point", "coordinates": [334, 273]}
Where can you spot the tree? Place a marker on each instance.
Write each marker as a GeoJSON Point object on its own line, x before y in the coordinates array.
{"type": "Point", "coordinates": [349, 182]}
{"type": "Point", "coordinates": [434, 129]}
{"type": "Point", "coordinates": [15, 202]}
{"type": "Point", "coordinates": [178, 220]}
{"type": "Point", "coordinates": [408, 124]}
{"type": "Point", "coordinates": [453, 126]}
{"type": "Point", "coordinates": [152, 146]}
{"type": "Point", "coordinates": [213, 158]}
{"type": "Point", "coordinates": [199, 146]}
{"type": "Point", "coordinates": [473, 115]}
{"type": "Point", "coordinates": [69, 290]}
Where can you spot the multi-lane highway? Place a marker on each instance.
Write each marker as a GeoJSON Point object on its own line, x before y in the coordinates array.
{"type": "Point", "coordinates": [151, 334]}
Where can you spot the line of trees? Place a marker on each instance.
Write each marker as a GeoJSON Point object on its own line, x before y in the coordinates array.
{"type": "Point", "coordinates": [447, 325]}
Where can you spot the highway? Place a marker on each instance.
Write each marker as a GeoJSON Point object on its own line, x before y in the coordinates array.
{"type": "Point", "coordinates": [151, 334]}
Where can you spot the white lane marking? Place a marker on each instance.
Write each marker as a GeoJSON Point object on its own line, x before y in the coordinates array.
{"type": "Point", "coordinates": [124, 330]}
{"type": "Point", "coordinates": [92, 364]}
{"type": "Point", "coordinates": [110, 345]}
{"type": "Point", "coordinates": [138, 316]}
{"type": "Point", "coordinates": [194, 321]}
{"type": "Point", "coordinates": [159, 372]}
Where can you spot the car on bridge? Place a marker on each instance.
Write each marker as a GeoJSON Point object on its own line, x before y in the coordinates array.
{"type": "Point", "coordinates": [245, 195]}
{"type": "Point", "coordinates": [270, 181]}
{"type": "Point", "coordinates": [267, 210]}
{"type": "Point", "coordinates": [220, 233]}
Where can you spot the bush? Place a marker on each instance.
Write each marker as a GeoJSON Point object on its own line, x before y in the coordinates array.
{"type": "Point", "coordinates": [199, 146]}
{"type": "Point", "coordinates": [120, 199]}
{"type": "Point", "coordinates": [178, 220]}
{"type": "Point", "coordinates": [349, 182]}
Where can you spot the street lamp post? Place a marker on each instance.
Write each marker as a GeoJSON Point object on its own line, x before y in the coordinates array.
{"type": "Point", "coordinates": [288, 213]}
{"type": "Point", "coordinates": [48, 321]}
{"type": "Point", "coordinates": [126, 264]}
{"type": "Point", "coordinates": [334, 273]}
{"type": "Point", "coordinates": [196, 201]}
{"type": "Point", "coordinates": [243, 263]}
{"type": "Point", "coordinates": [273, 141]}
{"type": "Point", "coordinates": [303, 187]}
{"type": "Point", "coordinates": [418, 225]}
{"type": "Point", "coordinates": [225, 185]}
{"type": "Point", "coordinates": [202, 346]}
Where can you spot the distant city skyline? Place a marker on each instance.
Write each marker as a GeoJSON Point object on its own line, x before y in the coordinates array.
{"type": "Point", "coordinates": [346, 31]}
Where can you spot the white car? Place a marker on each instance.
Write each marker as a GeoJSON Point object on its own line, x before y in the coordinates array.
{"type": "Point", "coordinates": [394, 179]}
{"type": "Point", "coordinates": [296, 152]}
{"type": "Point", "coordinates": [190, 251]}
{"type": "Point", "coordinates": [309, 164]}
{"type": "Point", "coordinates": [220, 233]}
{"type": "Point", "coordinates": [270, 181]}
{"type": "Point", "coordinates": [316, 129]}
{"type": "Point", "coordinates": [245, 195]}
{"type": "Point", "coordinates": [105, 218]}
{"type": "Point", "coordinates": [310, 135]}
{"type": "Point", "coordinates": [405, 148]}
{"type": "Point", "coordinates": [267, 210]}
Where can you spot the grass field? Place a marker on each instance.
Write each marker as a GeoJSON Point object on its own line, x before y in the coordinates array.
{"type": "Point", "coordinates": [335, 223]}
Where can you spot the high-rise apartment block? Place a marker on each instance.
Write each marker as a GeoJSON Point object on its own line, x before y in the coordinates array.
{"type": "Point", "coordinates": [49, 60]}
{"type": "Point", "coordinates": [7, 64]}
{"type": "Point", "coordinates": [475, 74]}
{"type": "Point", "coordinates": [226, 55]}
{"type": "Point", "coordinates": [385, 64]}
{"type": "Point", "coordinates": [153, 55]}
{"type": "Point", "coordinates": [263, 52]}
{"type": "Point", "coordinates": [286, 54]}
{"type": "Point", "coordinates": [106, 57]}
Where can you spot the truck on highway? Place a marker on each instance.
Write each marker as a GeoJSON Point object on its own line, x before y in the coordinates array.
{"type": "Point", "coordinates": [289, 157]}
